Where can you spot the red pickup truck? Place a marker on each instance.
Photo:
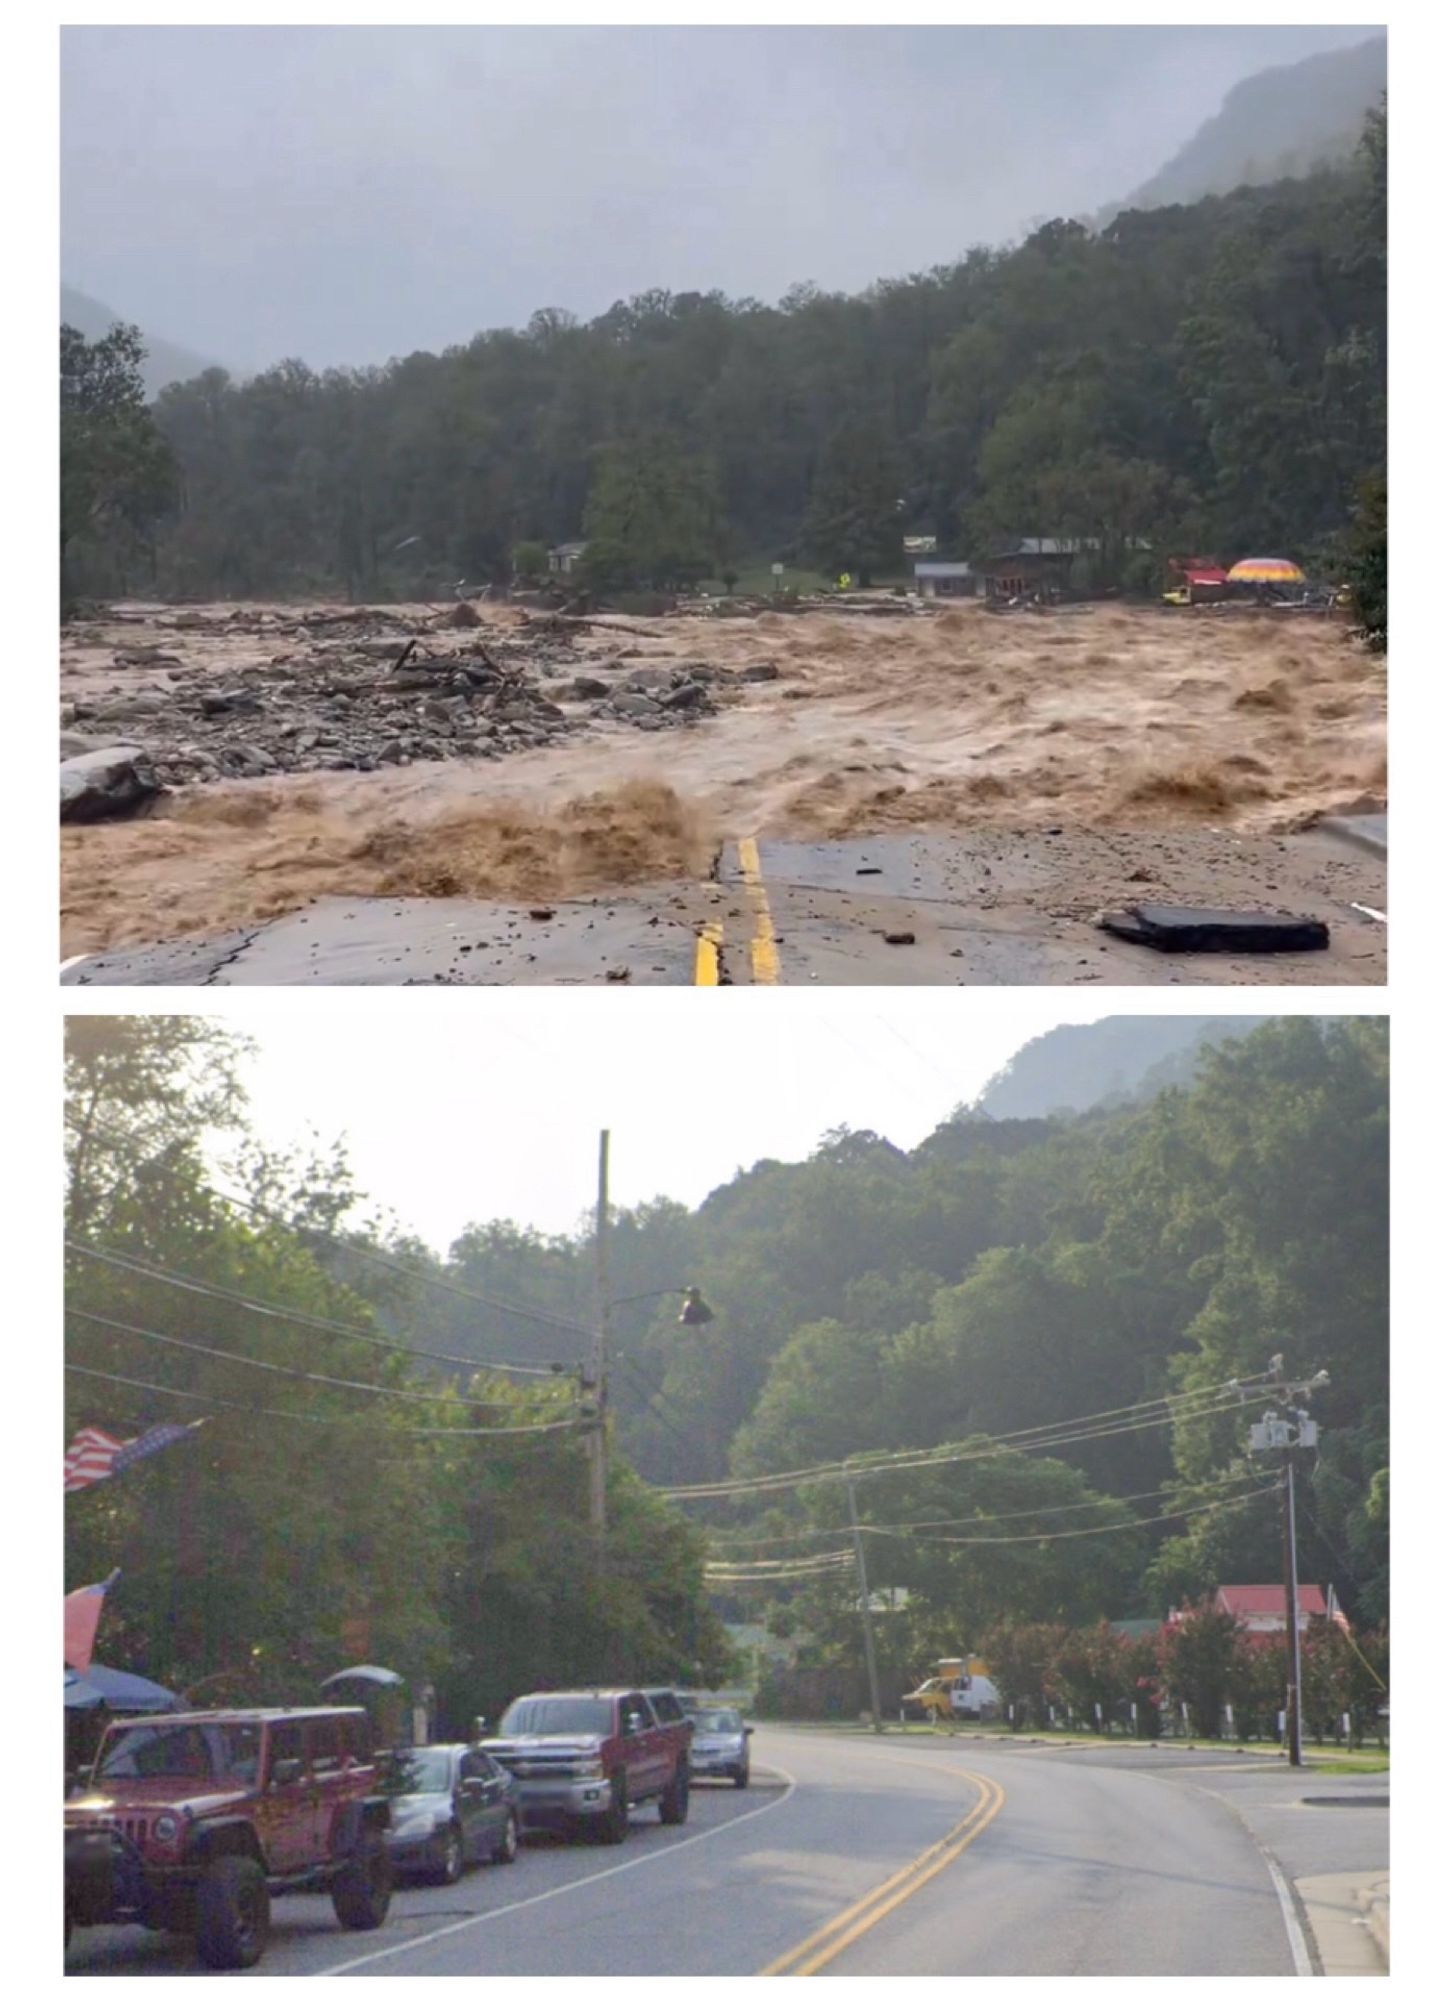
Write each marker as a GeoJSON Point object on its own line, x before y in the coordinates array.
{"type": "Point", "coordinates": [580, 1759]}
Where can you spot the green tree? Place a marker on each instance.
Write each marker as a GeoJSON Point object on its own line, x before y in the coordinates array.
{"type": "Point", "coordinates": [530, 561]}
{"type": "Point", "coordinates": [651, 518]}
{"type": "Point", "coordinates": [117, 472]}
{"type": "Point", "coordinates": [1367, 560]}
{"type": "Point", "coordinates": [854, 523]}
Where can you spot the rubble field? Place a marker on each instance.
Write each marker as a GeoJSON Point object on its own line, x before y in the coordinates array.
{"type": "Point", "coordinates": [281, 753]}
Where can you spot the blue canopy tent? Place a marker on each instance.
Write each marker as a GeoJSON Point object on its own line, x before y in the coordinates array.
{"type": "Point", "coordinates": [124, 1694]}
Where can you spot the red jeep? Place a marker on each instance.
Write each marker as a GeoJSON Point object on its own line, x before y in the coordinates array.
{"type": "Point", "coordinates": [580, 1760]}
{"type": "Point", "coordinates": [194, 1821]}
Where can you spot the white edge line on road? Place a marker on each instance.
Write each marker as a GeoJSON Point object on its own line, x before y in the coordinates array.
{"type": "Point", "coordinates": [565, 1888]}
{"type": "Point", "coordinates": [80, 958]}
{"type": "Point", "coordinates": [1298, 1947]}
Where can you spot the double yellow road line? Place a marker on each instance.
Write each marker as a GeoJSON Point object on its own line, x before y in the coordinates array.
{"type": "Point", "coordinates": [763, 947]}
{"type": "Point", "coordinates": [825, 1944]}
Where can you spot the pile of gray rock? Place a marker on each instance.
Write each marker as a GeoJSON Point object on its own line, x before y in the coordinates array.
{"type": "Point", "coordinates": [345, 699]}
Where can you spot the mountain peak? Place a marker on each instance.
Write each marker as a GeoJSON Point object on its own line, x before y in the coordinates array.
{"type": "Point", "coordinates": [1275, 125]}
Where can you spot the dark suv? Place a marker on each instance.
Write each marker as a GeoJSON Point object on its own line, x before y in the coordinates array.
{"type": "Point", "coordinates": [194, 1821]}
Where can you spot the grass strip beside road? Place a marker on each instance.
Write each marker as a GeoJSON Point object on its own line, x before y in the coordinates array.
{"type": "Point", "coordinates": [816, 1951]}
{"type": "Point", "coordinates": [1327, 1758]}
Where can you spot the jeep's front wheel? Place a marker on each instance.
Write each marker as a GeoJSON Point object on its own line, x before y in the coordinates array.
{"type": "Point", "coordinates": [361, 1890]}
{"type": "Point", "coordinates": [232, 1913]}
{"type": "Point", "coordinates": [675, 1798]}
{"type": "Point", "coordinates": [508, 1845]}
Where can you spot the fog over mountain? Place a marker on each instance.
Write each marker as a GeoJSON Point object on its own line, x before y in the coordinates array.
{"type": "Point", "coordinates": [1127, 1058]}
{"type": "Point", "coordinates": [164, 361]}
{"type": "Point", "coordinates": [348, 194]}
{"type": "Point", "coordinates": [1281, 123]}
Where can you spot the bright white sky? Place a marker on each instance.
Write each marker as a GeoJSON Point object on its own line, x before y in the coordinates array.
{"type": "Point", "coordinates": [478, 1113]}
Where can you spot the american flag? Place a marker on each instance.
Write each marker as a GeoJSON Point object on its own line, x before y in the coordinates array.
{"type": "Point", "coordinates": [95, 1455]}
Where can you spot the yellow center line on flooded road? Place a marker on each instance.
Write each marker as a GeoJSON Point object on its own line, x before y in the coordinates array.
{"type": "Point", "coordinates": [764, 947]}
{"type": "Point", "coordinates": [821, 1946]}
{"type": "Point", "coordinates": [707, 951]}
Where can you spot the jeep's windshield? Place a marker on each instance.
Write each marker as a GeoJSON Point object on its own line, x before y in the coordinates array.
{"type": "Point", "coordinates": [558, 1715]}
{"type": "Point", "coordinates": [419, 1771]}
{"type": "Point", "coordinates": [228, 1751]}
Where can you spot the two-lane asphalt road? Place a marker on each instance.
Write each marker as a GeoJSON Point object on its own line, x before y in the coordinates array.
{"type": "Point", "coordinates": [977, 909]}
{"type": "Point", "coordinates": [854, 1855]}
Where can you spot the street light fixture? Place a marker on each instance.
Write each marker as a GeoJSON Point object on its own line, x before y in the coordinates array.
{"type": "Point", "coordinates": [694, 1312]}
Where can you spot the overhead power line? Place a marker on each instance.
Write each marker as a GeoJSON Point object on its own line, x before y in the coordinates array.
{"type": "Point", "coordinates": [391, 1261]}
{"type": "Point", "coordinates": [268, 1367]}
{"type": "Point", "coordinates": [336, 1423]}
{"type": "Point", "coordinates": [1072, 1534]}
{"type": "Point", "coordinates": [1038, 1437]}
{"type": "Point", "coordinates": [655, 1407]}
{"type": "Point", "coordinates": [805, 1562]}
{"type": "Point", "coordinates": [723, 1578]}
{"type": "Point", "coordinates": [723, 1538]}
{"type": "Point", "coordinates": [207, 1288]}
{"type": "Point", "coordinates": [782, 1572]}
{"type": "Point", "coordinates": [388, 1259]}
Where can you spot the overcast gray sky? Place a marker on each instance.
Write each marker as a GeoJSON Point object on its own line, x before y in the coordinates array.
{"type": "Point", "coordinates": [346, 194]}
{"type": "Point", "coordinates": [495, 1112]}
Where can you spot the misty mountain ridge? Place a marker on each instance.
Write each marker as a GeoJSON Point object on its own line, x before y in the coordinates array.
{"type": "Point", "coordinates": [1125, 1059]}
{"type": "Point", "coordinates": [1276, 125]}
{"type": "Point", "coordinates": [1280, 123]}
{"type": "Point", "coordinates": [164, 362]}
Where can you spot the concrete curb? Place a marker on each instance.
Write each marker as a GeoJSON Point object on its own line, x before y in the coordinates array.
{"type": "Point", "coordinates": [1341, 1914]}
{"type": "Point", "coordinates": [1374, 1907]}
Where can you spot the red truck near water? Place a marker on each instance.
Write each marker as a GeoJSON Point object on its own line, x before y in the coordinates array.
{"type": "Point", "coordinates": [582, 1758]}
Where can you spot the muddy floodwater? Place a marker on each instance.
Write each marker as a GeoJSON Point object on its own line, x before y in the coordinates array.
{"type": "Point", "coordinates": [1093, 718]}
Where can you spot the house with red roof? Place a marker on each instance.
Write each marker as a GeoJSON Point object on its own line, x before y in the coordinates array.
{"type": "Point", "coordinates": [1259, 1607]}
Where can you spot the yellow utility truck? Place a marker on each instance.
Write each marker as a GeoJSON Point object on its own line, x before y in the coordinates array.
{"type": "Point", "coordinates": [957, 1690]}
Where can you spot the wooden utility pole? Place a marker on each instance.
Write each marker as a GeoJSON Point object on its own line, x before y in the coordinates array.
{"type": "Point", "coordinates": [1286, 1430]}
{"type": "Point", "coordinates": [1292, 1695]}
{"type": "Point", "coordinates": [866, 1613]}
{"type": "Point", "coordinates": [599, 1437]}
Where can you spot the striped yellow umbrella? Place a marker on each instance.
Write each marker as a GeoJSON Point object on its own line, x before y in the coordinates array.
{"type": "Point", "coordinates": [1266, 569]}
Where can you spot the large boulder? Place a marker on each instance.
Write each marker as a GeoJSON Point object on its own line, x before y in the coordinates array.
{"type": "Point", "coordinates": [107, 783]}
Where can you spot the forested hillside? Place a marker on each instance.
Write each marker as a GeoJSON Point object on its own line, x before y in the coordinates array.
{"type": "Point", "coordinates": [999, 1282]}
{"type": "Point", "coordinates": [1009, 1274]}
{"type": "Point", "coordinates": [1204, 377]}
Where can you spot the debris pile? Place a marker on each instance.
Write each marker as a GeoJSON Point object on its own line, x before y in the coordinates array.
{"type": "Point", "coordinates": [357, 690]}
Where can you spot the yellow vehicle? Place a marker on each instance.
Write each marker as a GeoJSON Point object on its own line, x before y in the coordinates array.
{"type": "Point", "coordinates": [955, 1688]}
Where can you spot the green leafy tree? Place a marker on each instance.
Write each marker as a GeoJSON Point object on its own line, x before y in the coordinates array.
{"type": "Point", "coordinates": [854, 524]}
{"type": "Point", "coordinates": [530, 561]}
{"type": "Point", "coordinates": [651, 516]}
{"type": "Point", "coordinates": [117, 472]}
{"type": "Point", "coordinates": [1367, 560]}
